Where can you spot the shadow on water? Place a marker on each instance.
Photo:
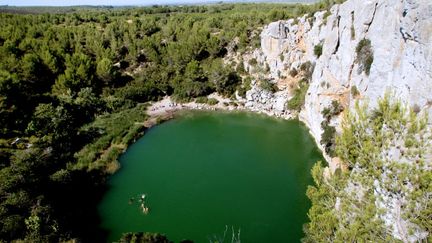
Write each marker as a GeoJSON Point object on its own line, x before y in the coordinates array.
{"type": "Point", "coordinates": [76, 201]}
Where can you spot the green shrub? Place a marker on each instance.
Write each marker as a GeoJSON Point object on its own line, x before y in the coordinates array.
{"type": "Point", "coordinates": [255, 41]}
{"type": "Point", "coordinates": [201, 100]}
{"type": "Point", "coordinates": [354, 91]}
{"type": "Point", "coordinates": [328, 137]}
{"type": "Point", "coordinates": [368, 64]}
{"type": "Point", "coordinates": [326, 112]}
{"type": "Point", "coordinates": [298, 100]}
{"type": "Point", "coordinates": [307, 68]}
{"type": "Point", "coordinates": [240, 68]}
{"type": "Point", "coordinates": [363, 45]}
{"type": "Point", "coordinates": [242, 89]}
{"type": "Point", "coordinates": [112, 129]}
{"type": "Point", "coordinates": [267, 68]}
{"type": "Point", "coordinates": [337, 108]}
{"type": "Point", "coordinates": [212, 101]}
{"type": "Point", "coordinates": [364, 55]}
{"type": "Point", "coordinates": [140, 237]}
{"type": "Point", "coordinates": [266, 85]}
{"type": "Point", "coordinates": [318, 50]}
{"type": "Point", "coordinates": [293, 72]}
{"type": "Point", "coordinates": [409, 142]}
{"type": "Point", "coordinates": [253, 62]}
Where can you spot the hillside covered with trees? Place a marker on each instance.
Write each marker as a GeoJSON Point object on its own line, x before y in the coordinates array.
{"type": "Point", "coordinates": [73, 93]}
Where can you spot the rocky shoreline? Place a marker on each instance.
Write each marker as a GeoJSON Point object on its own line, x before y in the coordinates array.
{"type": "Point", "coordinates": [401, 64]}
{"type": "Point", "coordinates": [166, 108]}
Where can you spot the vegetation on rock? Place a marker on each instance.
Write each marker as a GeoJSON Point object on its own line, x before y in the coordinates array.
{"type": "Point", "coordinates": [354, 91]}
{"type": "Point", "coordinates": [318, 50]}
{"type": "Point", "coordinates": [72, 86]}
{"type": "Point", "coordinates": [268, 86]}
{"type": "Point", "coordinates": [329, 132]}
{"type": "Point", "coordinates": [144, 238]}
{"type": "Point", "coordinates": [364, 55]}
{"type": "Point", "coordinates": [385, 174]}
{"type": "Point", "coordinates": [298, 99]}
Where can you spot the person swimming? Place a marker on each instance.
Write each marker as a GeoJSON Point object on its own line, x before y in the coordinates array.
{"type": "Point", "coordinates": [131, 200]}
{"type": "Point", "coordinates": [144, 208]}
{"type": "Point", "coordinates": [142, 201]}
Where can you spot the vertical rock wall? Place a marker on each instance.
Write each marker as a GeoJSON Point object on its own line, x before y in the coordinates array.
{"type": "Point", "coordinates": [400, 35]}
{"type": "Point", "coordinates": [400, 32]}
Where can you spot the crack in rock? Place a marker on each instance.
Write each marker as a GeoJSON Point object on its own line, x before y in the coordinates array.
{"type": "Point", "coordinates": [373, 17]}
{"type": "Point", "coordinates": [338, 40]}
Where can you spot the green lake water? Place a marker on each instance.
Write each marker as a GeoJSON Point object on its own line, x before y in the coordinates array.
{"type": "Point", "coordinates": [205, 171]}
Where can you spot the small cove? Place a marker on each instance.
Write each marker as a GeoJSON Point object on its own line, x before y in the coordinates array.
{"type": "Point", "coordinates": [204, 171]}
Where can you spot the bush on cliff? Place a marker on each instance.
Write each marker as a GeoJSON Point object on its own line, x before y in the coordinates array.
{"type": "Point", "coordinates": [364, 55]}
{"type": "Point", "coordinates": [298, 99]}
{"type": "Point", "coordinates": [318, 50]}
{"type": "Point", "coordinates": [374, 180]}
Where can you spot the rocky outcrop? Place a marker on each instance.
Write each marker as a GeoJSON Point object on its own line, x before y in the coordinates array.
{"type": "Point", "coordinates": [263, 101]}
{"type": "Point", "coordinates": [398, 34]}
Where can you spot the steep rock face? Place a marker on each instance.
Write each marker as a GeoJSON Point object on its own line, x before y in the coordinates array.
{"type": "Point", "coordinates": [400, 32]}
{"type": "Point", "coordinates": [400, 35]}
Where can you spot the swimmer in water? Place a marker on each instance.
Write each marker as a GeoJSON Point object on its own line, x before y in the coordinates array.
{"type": "Point", "coordinates": [131, 200]}
{"type": "Point", "coordinates": [142, 197]}
{"type": "Point", "coordinates": [144, 208]}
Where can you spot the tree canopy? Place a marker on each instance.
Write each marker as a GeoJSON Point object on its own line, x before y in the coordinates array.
{"type": "Point", "coordinates": [73, 87]}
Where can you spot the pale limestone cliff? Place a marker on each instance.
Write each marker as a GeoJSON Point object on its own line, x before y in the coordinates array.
{"type": "Point", "coordinates": [400, 34]}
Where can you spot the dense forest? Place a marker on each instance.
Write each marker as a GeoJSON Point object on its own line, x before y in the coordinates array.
{"type": "Point", "coordinates": [73, 90]}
